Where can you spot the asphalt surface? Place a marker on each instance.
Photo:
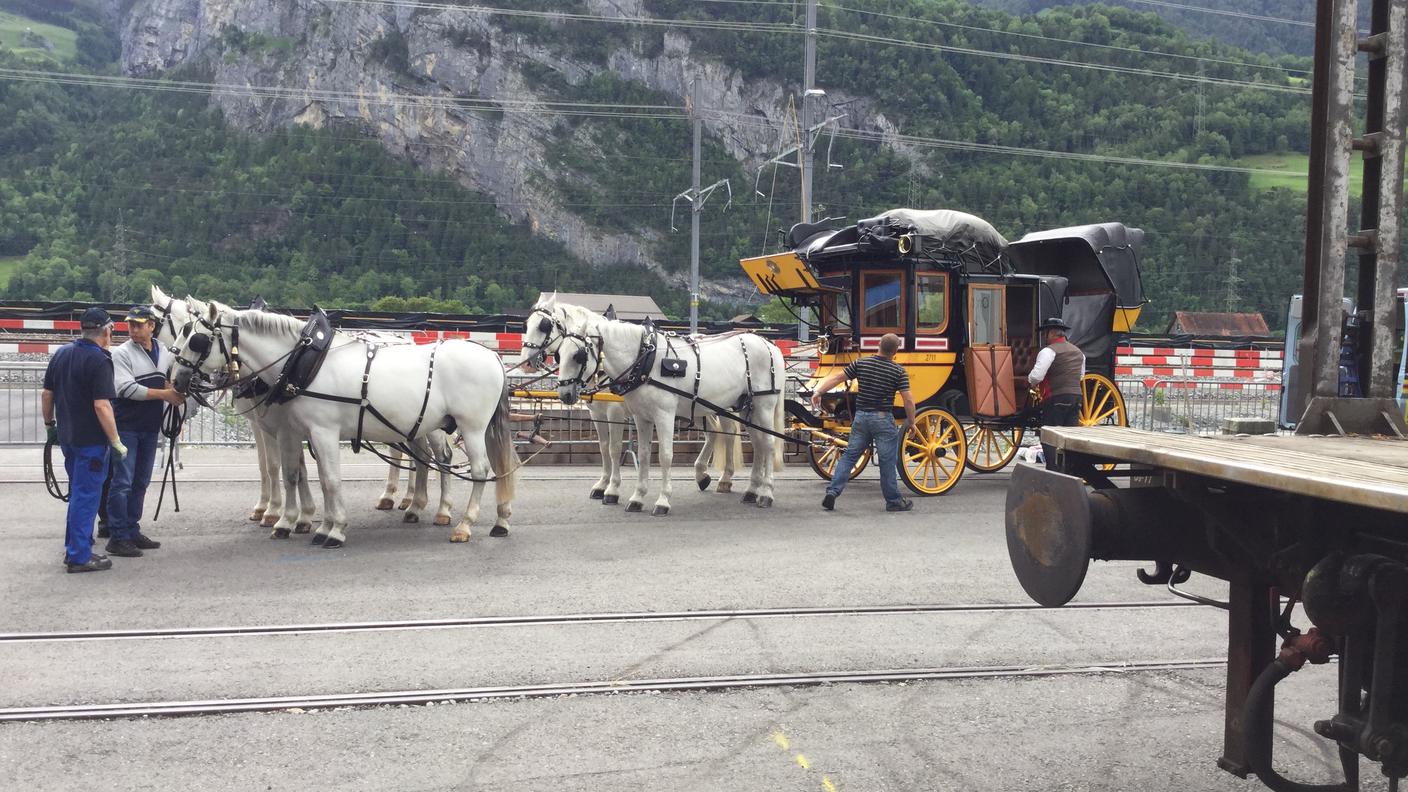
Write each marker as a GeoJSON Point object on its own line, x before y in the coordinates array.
{"type": "Point", "coordinates": [569, 555]}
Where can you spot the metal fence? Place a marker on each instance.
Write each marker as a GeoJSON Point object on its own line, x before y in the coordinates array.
{"type": "Point", "coordinates": [1197, 406]}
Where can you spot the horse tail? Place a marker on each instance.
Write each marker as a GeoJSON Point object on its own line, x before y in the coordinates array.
{"type": "Point", "coordinates": [779, 407]}
{"type": "Point", "coordinates": [503, 458]}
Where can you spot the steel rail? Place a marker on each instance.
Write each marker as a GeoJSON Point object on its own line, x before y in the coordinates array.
{"type": "Point", "coordinates": [711, 683]}
{"type": "Point", "coordinates": [564, 619]}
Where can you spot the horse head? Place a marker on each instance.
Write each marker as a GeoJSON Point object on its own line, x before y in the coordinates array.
{"type": "Point", "coordinates": [206, 345]}
{"type": "Point", "coordinates": [543, 330]}
{"type": "Point", "coordinates": [579, 363]}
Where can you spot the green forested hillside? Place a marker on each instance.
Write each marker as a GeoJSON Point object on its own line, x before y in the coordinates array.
{"type": "Point", "coordinates": [104, 190]}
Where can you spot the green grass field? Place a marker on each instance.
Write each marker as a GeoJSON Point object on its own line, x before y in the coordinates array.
{"type": "Point", "coordinates": [1300, 163]}
{"type": "Point", "coordinates": [7, 268]}
{"type": "Point", "coordinates": [12, 29]}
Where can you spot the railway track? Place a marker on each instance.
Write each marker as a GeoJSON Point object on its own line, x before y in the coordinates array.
{"type": "Point", "coordinates": [450, 695]}
{"type": "Point", "coordinates": [583, 618]}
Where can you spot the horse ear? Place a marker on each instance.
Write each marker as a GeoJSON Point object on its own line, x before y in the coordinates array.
{"type": "Point", "coordinates": [610, 311]}
{"type": "Point", "coordinates": [213, 312]}
{"type": "Point", "coordinates": [158, 296]}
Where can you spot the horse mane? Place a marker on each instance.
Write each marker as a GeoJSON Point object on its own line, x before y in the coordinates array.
{"type": "Point", "coordinates": [267, 323]}
{"type": "Point", "coordinates": [579, 316]}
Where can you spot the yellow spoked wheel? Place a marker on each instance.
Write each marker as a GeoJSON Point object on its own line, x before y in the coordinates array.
{"type": "Point", "coordinates": [992, 449]}
{"type": "Point", "coordinates": [1101, 403]}
{"type": "Point", "coordinates": [823, 459]}
{"type": "Point", "coordinates": [934, 452]}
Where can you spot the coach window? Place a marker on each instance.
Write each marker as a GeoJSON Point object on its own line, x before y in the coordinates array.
{"type": "Point", "coordinates": [881, 299]}
{"type": "Point", "coordinates": [931, 302]}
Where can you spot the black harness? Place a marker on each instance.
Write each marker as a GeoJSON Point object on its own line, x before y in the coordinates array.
{"type": "Point", "coordinates": [306, 360]}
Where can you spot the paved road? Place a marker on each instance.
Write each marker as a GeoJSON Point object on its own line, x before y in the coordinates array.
{"type": "Point", "coordinates": [568, 555]}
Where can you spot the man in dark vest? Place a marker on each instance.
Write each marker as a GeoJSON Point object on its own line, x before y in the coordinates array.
{"type": "Point", "coordinates": [1059, 368]}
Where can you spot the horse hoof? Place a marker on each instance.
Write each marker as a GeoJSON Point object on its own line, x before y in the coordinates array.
{"type": "Point", "coordinates": [332, 544]}
{"type": "Point", "coordinates": [442, 519]}
{"type": "Point", "coordinates": [660, 511]}
{"type": "Point", "coordinates": [319, 539]}
{"type": "Point", "coordinates": [705, 482]}
{"type": "Point", "coordinates": [633, 506]}
{"type": "Point", "coordinates": [750, 497]}
{"type": "Point", "coordinates": [459, 536]}
{"type": "Point", "coordinates": [269, 520]}
{"type": "Point", "coordinates": [597, 494]}
{"type": "Point", "coordinates": [410, 517]}
{"type": "Point", "coordinates": [302, 528]}
{"type": "Point", "coordinates": [725, 486]}
{"type": "Point", "coordinates": [499, 530]}
{"type": "Point", "coordinates": [610, 500]}
{"type": "Point", "coordinates": [279, 533]}
{"type": "Point", "coordinates": [256, 515]}
{"type": "Point", "coordinates": [385, 504]}
{"type": "Point", "coordinates": [765, 502]}
{"type": "Point", "coordinates": [405, 504]}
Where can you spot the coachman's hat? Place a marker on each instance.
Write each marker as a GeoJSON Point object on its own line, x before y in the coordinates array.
{"type": "Point", "coordinates": [1054, 323]}
{"type": "Point", "coordinates": [93, 318]}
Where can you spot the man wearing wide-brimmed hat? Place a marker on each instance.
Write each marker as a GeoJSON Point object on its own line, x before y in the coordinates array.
{"type": "Point", "coordinates": [1059, 367]}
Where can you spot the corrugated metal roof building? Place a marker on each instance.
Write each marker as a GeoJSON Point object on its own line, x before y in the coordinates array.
{"type": "Point", "coordinates": [629, 307]}
{"type": "Point", "coordinates": [1224, 325]}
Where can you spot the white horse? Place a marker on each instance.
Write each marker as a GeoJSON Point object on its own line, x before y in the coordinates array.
{"type": "Point", "coordinates": [547, 324]}
{"type": "Point", "coordinates": [463, 388]}
{"type": "Point", "coordinates": [266, 421]}
{"type": "Point", "coordinates": [734, 370]}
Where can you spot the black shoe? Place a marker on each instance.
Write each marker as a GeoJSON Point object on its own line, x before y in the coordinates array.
{"type": "Point", "coordinates": [829, 502]}
{"type": "Point", "coordinates": [144, 543]}
{"type": "Point", "coordinates": [102, 530]}
{"type": "Point", "coordinates": [95, 564]}
{"type": "Point", "coordinates": [124, 548]}
{"type": "Point", "coordinates": [903, 504]}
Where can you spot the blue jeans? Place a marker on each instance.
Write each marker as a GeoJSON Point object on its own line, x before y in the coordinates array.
{"type": "Point", "coordinates": [87, 467]}
{"type": "Point", "coordinates": [868, 427]}
{"type": "Point", "coordinates": [130, 478]}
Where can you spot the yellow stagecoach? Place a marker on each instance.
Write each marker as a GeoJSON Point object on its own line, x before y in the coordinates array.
{"type": "Point", "coordinates": [966, 304]}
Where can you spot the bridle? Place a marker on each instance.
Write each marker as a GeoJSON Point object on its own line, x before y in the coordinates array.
{"type": "Point", "coordinates": [580, 359]}
{"type": "Point", "coordinates": [547, 325]}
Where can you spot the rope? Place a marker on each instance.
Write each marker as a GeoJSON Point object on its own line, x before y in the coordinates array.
{"type": "Point", "coordinates": [51, 481]}
{"type": "Point", "coordinates": [172, 420]}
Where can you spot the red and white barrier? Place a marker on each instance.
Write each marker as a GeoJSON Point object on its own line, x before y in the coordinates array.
{"type": "Point", "coordinates": [1258, 367]}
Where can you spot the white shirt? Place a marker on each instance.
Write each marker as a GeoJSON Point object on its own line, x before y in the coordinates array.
{"type": "Point", "coordinates": [1043, 363]}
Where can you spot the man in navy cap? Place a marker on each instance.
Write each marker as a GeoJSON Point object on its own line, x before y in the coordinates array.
{"type": "Point", "coordinates": [78, 387]}
{"type": "Point", "coordinates": [139, 373]}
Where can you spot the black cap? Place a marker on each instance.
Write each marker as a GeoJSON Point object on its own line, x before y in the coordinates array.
{"type": "Point", "coordinates": [141, 313]}
{"type": "Point", "coordinates": [94, 318]}
{"type": "Point", "coordinates": [1054, 323]}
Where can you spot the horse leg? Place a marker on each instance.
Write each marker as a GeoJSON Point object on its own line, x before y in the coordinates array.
{"type": "Point", "coordinates": [733, 453]}
{"type": "Point", "coordinates": [393, 480]}
{"type": "Point", "coordinates": [306, 506]}
{"type": "Point", "coordinates": [706, 453]}
{"type": "Point", "coordinates": [325, 448]}
{"type": "Point", "coordinates": [644, 430]}
{"type": "Point", "coordinates": [616, 433]}
{"type": "Point", "coordinates": [600, 416]}
{"type": "Point", "coordinates": [261, 451]}
{"type": "Point", "coordinates": [760, 482]}
{"type": "Point", "coordinates": [273, 470]}
{"type": "Point", "coordinates": [446, 456]}
{"type": "Point", "coordinates": [478, 453]}
{"type": "Point", "coordinates": [420, 483]}
{"type": "Point", "coordinates": [290, 469]}
{"type": "Point", "coordinates": [667, 456]}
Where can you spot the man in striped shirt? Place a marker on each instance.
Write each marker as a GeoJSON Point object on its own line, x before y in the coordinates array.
{"type": "Point", "coordinates": [879, 378]}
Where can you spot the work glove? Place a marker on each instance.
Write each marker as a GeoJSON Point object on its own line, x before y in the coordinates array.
{"type": "Point", "coordinates": [51, 433]}
{"type": "Point", "coordinates": [119, 449]}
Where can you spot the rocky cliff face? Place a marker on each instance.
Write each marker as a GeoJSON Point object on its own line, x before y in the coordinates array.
{"type": "Point", "coordinates": [458, 103]}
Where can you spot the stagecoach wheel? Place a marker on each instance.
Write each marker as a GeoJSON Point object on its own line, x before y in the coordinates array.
{"type": "Point", "coordinates": [1101, 403]}
{"type": "Point", "coordinates": [823, 459]}
{"type": "Point", "coordinates": [933, 454]}
{"type": "Point", "coordinates": [990, 449]}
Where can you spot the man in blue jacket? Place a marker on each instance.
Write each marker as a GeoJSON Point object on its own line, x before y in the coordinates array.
{"type": "Point", "coordinates": [78, 387]}
{"type": "Point", "coordinates": [139, 374]}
